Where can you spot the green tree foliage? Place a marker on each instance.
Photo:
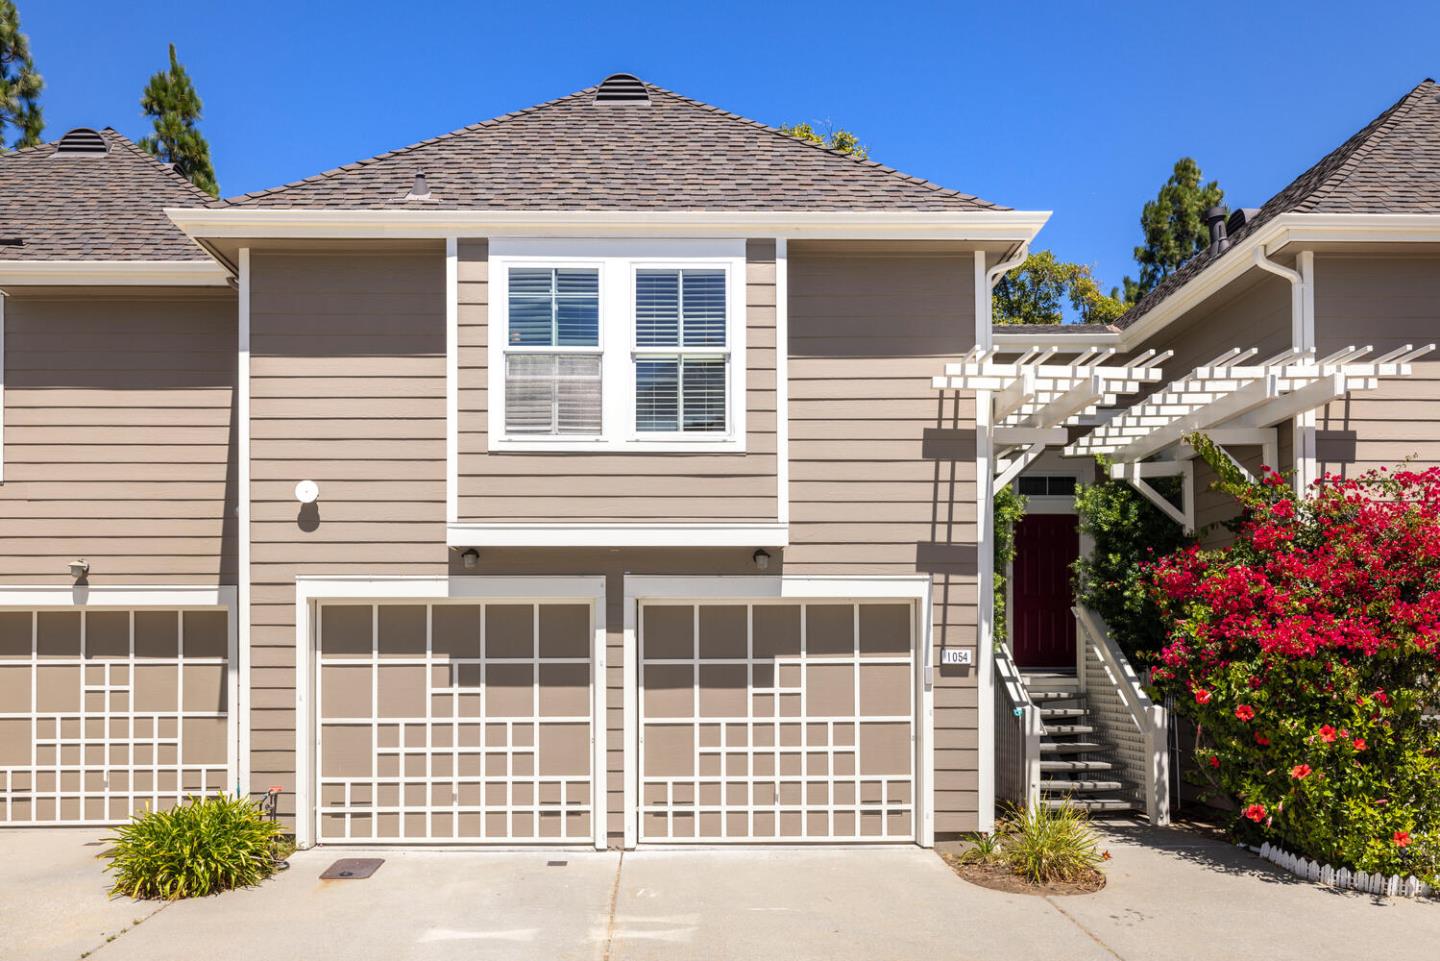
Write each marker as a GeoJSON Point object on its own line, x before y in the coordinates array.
{"type": "Point", "coordinates": [1037, 290]}
{"type": "Point", "coordinates": [171, 101]}
{"type": "Point", "coordinates": [20, 85]}
{"type": "Point", "coordinates": [1128, 532]}
{"type": "Point", "coordinates": [841, 141]}
{"type": "Point", "coordinates": [1009, 508]}
{"type": "Point", "coordinates": [1174, 226]}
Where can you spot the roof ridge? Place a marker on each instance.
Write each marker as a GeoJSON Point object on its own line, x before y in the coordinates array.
{"type": "Point", "coordinates": [142, 153]}
{"type": "Point", "coordinates": [1369, 137]}
{"type": "Point", "coordinates": [398, 151]}
{"type": "Point", "coordinates": [862, 161]}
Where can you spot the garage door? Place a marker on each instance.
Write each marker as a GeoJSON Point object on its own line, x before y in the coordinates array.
{"type": "Point", "coordinates": [455, 722]}
{"type": "Point", "coordinates": [776, 721]}
{"type": "Point", "coordinates": [108, 712]}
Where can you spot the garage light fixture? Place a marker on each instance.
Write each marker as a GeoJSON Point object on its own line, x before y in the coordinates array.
{"type": "Point", "coordinates": [79, 568]}
{"type": "Point", "coordinates": [761, 559]}
{"type": "Point", "coordinates": [470, 558]}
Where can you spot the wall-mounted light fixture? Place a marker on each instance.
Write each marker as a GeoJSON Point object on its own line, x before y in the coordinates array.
{"type": "Point", "coordinates": [307, 492]}
{"type": "Point", "coordinates": [470, 558]}
{"type": "Point", "coordinates": [761, 559]}
{"type": "Point", "coordinates": [79, 568]}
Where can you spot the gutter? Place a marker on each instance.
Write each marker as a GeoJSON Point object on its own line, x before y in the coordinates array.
{"type": "Point", "coordinates": [113, 273]}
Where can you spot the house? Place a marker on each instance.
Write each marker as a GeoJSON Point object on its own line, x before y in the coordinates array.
{"type": "Point", "coordinates": [616, 471]}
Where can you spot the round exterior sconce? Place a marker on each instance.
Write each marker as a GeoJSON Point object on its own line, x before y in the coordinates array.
{"type": "Point", "coordinates": [79, 568]}
{"type": "Point", "coordinates": [761, 559]}
{"type": "Point", "coordinates": [307, 492]}
{"type": "Point", "coordinates": [470, 558]}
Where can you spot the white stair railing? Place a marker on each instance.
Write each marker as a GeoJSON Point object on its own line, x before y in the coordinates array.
{"type": "Point", "coordinates": [1124, 714]}
{"type": "Point", "coordinates": [1017, 736]}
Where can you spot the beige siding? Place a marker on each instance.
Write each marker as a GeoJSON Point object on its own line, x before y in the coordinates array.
{"type": "Point", "coordinates": [882, 469]}
{"type": "Point", "coordinates": [348, 390]}
{"type": "Point", "coordinates": [117, 440]}
{"type": "Point", "coordinates": [1387, 303]}
{"type": "Point", "coordinates": [617, 487]}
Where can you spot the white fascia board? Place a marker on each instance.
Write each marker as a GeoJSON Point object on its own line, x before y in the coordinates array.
{"type": "Point", "coordinates": [118, 595]}
{"type": "Point", "coordinates": [618, 535]}
{"type": "Point", "coordinates": [1019, 343]}
{"type": "Point", "coordinates": [690, 588]}
{"type": "Point", "coordinates": [253, 222]}
{"type": "Point", "coordinates": [113, 273]}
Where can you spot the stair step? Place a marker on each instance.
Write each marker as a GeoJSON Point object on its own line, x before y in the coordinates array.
{"type": "Point", "coordinates": [1057, 729]}
{"type": "Point", "coordinates": [1039, 696]}
{"type": "Point", "coordinates": [1069, 747]}
{"type": "Point", "coordinates": [1066, 765]}
{"type": "Point", "coordinates": [1089, 804]}
{"type": "Point", "coordinates": [1076, 785]}
{"type": "Point", "coordinates": [1049, 712]}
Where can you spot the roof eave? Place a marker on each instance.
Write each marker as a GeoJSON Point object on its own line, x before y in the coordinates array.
{"type": "Point", "coordinates": [112, 273]}
{"type": "Point", "coordinates": [1017, 226]}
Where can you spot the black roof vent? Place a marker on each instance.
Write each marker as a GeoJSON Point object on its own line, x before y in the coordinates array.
{"type": "Point", "coordinates": [1215, 219]}
{"type": "Point", "coordinates": [82, 142]}
{"type": "Point", "coordinates": [622, 88]}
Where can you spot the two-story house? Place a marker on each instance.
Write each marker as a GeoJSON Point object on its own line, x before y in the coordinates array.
{"type": "Point", "coordinates": [577, 476]}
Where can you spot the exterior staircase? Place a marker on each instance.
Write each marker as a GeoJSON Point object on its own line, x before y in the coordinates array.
{"type": "Point", "coordinates": [1075, 762]}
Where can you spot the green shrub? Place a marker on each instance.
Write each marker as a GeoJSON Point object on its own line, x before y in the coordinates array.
{"type": "Point", "coordinates": [1009, 509]}
{"type": "Point", "coordinates": [1044, 845]}
{"type": "Point", "coordinates": [204, 846]}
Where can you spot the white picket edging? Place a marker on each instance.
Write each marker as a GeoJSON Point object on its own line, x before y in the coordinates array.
{"type": "Point", "coordinates": [1392, 887]}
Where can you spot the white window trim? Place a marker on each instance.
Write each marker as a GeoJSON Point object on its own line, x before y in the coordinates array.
{"type": "Point", "coordinates": [618, 261]}
{"type": "Point", "coordinates": [310, 591]}
{"type": "Point", "coordinates": [702, 588]}
{"type": "Point", "coordinates": [2, 386]}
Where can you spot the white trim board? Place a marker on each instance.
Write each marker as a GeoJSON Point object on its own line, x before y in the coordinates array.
{"type": "Point", "coordinates": [242, 508]}
{"type": "Point", "coordinates": [782, 381]}
{"type": "Point", "coordinates": [452, 380]}
{"type": "Point", "coordinates": [113, 273]}
{"type": "Point", "coordinates": [2, 387]}
{"type": "Point", "coordinates": [699, 588]}
{"type": "Point", "coordinates": [618, 535]}
{"type": "Point", "coordinates": [254, 222]}
{"type": "Point", "coordinates": [364, 589]}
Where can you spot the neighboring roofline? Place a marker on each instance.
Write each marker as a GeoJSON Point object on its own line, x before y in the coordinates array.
{"type": "Point", "coordinates": [1269, 238]}
{"type": "Point", "coordinates": [112, 273]}
{"type": "Point", "coordinates": [286, 222]}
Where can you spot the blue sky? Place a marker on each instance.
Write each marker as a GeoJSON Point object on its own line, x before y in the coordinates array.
{"type": "Point", "coordinates": [1080, 108]}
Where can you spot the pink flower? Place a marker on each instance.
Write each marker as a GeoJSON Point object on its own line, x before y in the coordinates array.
{"type": "Point", "coordinates": [1300, 772]}
{"type": "Point", "coordinates": [1327, 734]}
{"type": "Point", "coordinates": [1255, 812]}
{"type": "Point", "coordinates": [1202, 696]}
{"type": "Point", "coordinates": [1360, 744]}
{"type": "Point", "coordinates": [1245, 712]}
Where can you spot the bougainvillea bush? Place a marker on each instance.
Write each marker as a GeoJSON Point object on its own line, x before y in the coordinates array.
{"type": "Point", "coordinates": [1308, 654]}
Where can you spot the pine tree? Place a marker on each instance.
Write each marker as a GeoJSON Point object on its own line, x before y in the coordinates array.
{"type": "Point", "coordinates": [20, 85]}
{"type": "Point", "coordinates": [170, 99]}
{"type": "Point", "coordinates": [1174, 225]}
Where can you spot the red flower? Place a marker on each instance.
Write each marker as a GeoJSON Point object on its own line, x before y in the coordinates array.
{"type": "Point", "coordinates": [1214, 760]}
{"type": "Point", "coordinates": [1327, 734]}
{"type": "Point", "coordinates": [1382, 697]}
{"type": "Point", "coordinates": [1202, 696]}
{"type": "Point", "coordinates": [1360, 744]}
{"type": "Point", "coordinates": [1300, 772]}
{"type": "Point", "coordinates": [1255, 812]}
{"type": "Point", "coordinates": [1402, 839]}
{"type": "Point", "coordinates": [1261, 739]}
{"type": "Point", "coordinates": [1245, 712]}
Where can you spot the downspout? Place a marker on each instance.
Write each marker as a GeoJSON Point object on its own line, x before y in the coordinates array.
{"type": "Point", "coordinates": [1302, 338]}
{"type": "Point", "coordinates": [993, 275]}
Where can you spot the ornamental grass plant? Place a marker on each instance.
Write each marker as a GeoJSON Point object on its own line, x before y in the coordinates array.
{"type": "Point", "coordinates": [1308, 655]}
{"type": "Point", "coordinates": [1046, 845]}
{"type": "Point", "coordinates": [204, 846]}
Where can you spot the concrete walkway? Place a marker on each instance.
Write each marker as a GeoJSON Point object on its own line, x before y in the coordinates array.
{"type": "Point", "coordinates": [1172, 894]}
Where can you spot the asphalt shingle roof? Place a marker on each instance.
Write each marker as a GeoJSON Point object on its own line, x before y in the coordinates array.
{"type": "Point", "coordinates": [99, 207]}
{"type": "Point", "coordinates": [1391, 166]}
{"type": "Point", "coordinates": [574, 154]}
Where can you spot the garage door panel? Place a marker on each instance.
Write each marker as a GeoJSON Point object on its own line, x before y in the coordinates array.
{"type": "Point", "coordinates": [123, 716]}
{"type": "Point", "coordinates": [347, 631]}
{"type": "Point", "coordinates": [808, 735]}
{"type": "Point", "coordinates": [481, 731]}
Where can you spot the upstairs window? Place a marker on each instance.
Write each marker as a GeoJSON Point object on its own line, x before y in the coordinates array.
{"type": "Point", "coordinates": [552, 352]}
{"type": "Point", "coordinates": [681, 354]}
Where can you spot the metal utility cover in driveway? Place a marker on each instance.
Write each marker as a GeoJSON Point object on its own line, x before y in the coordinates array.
{"type": "Point", "coordinates": [352, 868]}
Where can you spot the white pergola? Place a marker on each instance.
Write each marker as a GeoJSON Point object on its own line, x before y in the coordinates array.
{"type": "Point", "coordinates": [1235, 401]}
{"type": "Point", "coordinates": [1039, 395]}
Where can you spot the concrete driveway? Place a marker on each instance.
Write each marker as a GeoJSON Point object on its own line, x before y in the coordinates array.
{"type": "Point", "coordinates": [1172, 894]}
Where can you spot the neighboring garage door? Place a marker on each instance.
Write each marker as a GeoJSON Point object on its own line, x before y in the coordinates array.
{"type": "Point", "coordinates": [107, 712]}
{"type": "Point", "coordinates": [776, 721]}
{"type": "Point", "coordinates": [455, 722]}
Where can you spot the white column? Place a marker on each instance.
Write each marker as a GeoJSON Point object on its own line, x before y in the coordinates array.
{"type": "Point", "coordinates": [985, 562]}
{"type": "Point", "coordinates": [1304, 436]}
{"type": "Point", "coordinates": [242, 520]}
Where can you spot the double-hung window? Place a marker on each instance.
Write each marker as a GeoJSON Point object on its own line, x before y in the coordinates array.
{"type": "Point", "coordinates": [617, 345]}
{"type": "Point", "coordinates": [681, 351]}
{"type": "Point", "coordinates": [552, 352]}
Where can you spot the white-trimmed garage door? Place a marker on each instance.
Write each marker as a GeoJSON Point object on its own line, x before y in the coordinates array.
{"type": "Point", "coordinates": [107, 712]}
{"type": "Point", "coordinates": [776, 721]}
{"type": "Point", "coordinates": [455, 721]}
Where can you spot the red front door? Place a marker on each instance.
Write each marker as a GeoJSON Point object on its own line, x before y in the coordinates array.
{"type": "Point", "coordinates": [1042, 629]}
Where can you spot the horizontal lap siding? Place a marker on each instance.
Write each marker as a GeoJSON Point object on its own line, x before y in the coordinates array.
{"type": "Point", "coordinates": [1386, 303]}
{"type": "Point", "coordinates": [510, 487]}
{"type": "Point", "coordinates": [882, 468]}
{"type": "Point", "coordinates": [348, 390]}
{"type": "Point", "coordinates": [117, 441]}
